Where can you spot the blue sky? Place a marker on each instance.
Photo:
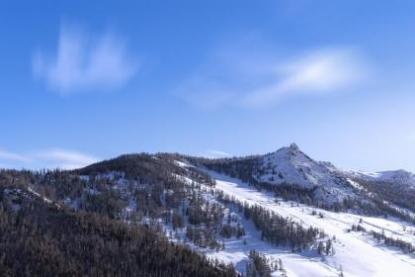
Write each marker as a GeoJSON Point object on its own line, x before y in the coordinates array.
{"type": "Point", "coordinates": [88, 80]}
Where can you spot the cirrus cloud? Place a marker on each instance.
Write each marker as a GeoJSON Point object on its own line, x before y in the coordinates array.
{"type": "Point", "coordinates": [215, 154]}
{"type": "Point", "coordinates": [66, 159]}
{"type": "Point", "coordinates": [85, 62]}
{"type": "Point", "coordinates": [239, 78]}
{"type": "Point", "coordinates": [10, 156]}
{"type": "Point", "coordinates": [47, 158]}
{"type": "Point", "coordinates": [327, 71]}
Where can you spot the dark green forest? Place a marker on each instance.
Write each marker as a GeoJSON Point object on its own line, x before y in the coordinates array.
{"type": "Point", "coordinates": [41, 237]}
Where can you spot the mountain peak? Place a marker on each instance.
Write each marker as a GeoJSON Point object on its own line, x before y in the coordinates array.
{"type": "Point", "coordinates": [294, 146]}
{"type": "Point", "coordinates": [289, 150]}
{"type": "Point", "coordinates": [398, 176]}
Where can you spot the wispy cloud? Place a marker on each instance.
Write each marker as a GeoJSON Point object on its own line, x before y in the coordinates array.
{"type": "Point", "coordinates": [85, 62]}
{"type": "Point", "coordinates": [62, 158]}
{"type": "Point", "coordinates": [327, 71]}
{"type": "Point", "coordinates": [213, 154]}
{"type": "Point", "coordinates": [10, 156]}
{"type": "Point", "coordinates": [240, 79]}
{"type": "Point", "coordinates": [48, 158]}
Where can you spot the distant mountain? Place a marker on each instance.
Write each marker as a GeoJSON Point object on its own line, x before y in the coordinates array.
{"type": "Point", "coordinates": [395, 188]}
{"type": "Point", "coordinates": [291, 166]}
{"type": "Point", "coordinates": [395, 177]}
{"type": "Point", "coordinates": [287, 168]}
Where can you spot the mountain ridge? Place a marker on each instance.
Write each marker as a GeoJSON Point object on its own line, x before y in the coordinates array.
{"type": "Point", "coordinates": [307, 224]}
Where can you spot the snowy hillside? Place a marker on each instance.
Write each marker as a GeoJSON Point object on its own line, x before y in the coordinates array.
{"type": "Point", "coordinates": [356, 253]}
{"type": "Point", "coordinates": [282, 213]}
{"type": "Point", "coordinates": [290, 166]}
{"type": "Point", "coordinates": [292, 171]}
{"type": "Point", "coordinates": [395, 177]}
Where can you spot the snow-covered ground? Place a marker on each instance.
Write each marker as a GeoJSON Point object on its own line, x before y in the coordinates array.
{"type": "Point", "coordinates": [400, 178]}
{"type": "Point", "coordinates": [357, 254]}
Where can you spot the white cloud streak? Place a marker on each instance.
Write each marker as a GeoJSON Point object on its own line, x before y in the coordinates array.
{"type": "Point", "coordinates": [10, 156]}
{"type": "Point", "coordinates": [322, 72]}
{"type": "Point", "coordinates": [250, 82]}
{"type": "Point", "coordinates": [65, 158]}
{"type": "Point", "coordinates": [84, 62]}
{"type": "Point", "coordinates": [48, 158]}
{"type": "Point", "coordinates": [213, 154]}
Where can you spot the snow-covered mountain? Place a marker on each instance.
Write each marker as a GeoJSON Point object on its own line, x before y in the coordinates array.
{"type": "Point", "coordinates": [357, 251]}
{"type": "Point", "coordinates": [291, 169]}
{"type": "Point", "coordinates": [306, 217]}
{"type": "Point", "coordinates": [291, 166]}
{"type": "Point", "coordinates": [399, 177]}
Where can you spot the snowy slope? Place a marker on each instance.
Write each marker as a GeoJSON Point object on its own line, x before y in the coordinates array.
{"type": "Point", "coordinates": [356, 253]}
{"type": "Point", "coordinates": [290, 166]}
{"type": "Point", "coordinates": [291, 169]}
{"type": "Point", "coordinates": [395, 177]}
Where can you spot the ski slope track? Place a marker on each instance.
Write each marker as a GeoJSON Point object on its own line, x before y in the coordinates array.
{"type": "Point", "coordinates": [357, 254]}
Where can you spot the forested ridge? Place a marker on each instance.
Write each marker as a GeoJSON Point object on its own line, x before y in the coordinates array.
{"type": "Point", "coordinates": [42, 234]}
{"type": "Point", "coordinates": [120, 217]}
{"type": "Point", "coordinates": [42, 240]}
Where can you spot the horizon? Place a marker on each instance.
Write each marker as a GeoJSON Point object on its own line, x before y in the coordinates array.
{"type": "Point", "coordinates": [215, 156]}
{"type": "Point", "coordinates": [82, 82]}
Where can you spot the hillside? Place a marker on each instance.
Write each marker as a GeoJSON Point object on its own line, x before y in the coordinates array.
{"type": "Point", "coordinates": [278, 214]}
